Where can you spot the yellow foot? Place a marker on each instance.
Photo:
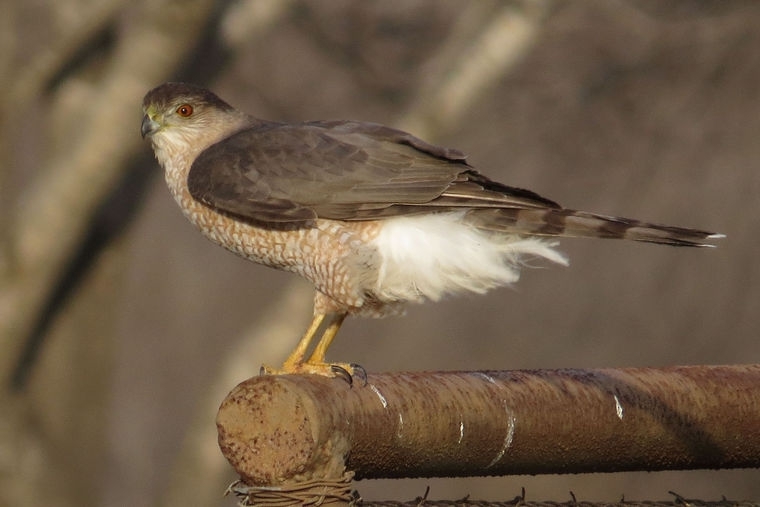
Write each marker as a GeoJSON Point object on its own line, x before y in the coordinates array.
{"type": "Point", "coordinates": [342, 370]}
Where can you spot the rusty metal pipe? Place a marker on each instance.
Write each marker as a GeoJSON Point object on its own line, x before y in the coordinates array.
{"type": "Point", "coordinates": [284, 429]}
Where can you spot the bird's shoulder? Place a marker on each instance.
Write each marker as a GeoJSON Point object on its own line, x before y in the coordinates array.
{"type": "Point", "coordinates": [331, 141]}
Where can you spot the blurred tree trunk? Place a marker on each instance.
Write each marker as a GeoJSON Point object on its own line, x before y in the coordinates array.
{"type": "Point", "coordinates": [79, 75]}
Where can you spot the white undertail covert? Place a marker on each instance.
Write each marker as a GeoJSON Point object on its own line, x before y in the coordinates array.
{"type": "Point", "coordinates": [432, 255]}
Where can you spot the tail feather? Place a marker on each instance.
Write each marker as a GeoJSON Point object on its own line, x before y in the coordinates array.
{"type": "Point", "coordinates": [562, 222]}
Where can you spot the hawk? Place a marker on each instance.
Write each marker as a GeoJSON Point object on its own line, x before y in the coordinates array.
{"type": "Point", "coordinates": [374, 217]}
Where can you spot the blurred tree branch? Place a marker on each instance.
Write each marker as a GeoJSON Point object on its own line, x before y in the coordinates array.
{"type": "Point", "coordinates": [36, 74]}
{"type": "Point", "coordinates": [488, 41]}
{"type": "Point", "coordinates": [154, 38]}
{"type": "Point", "coordinates": [92, 118]}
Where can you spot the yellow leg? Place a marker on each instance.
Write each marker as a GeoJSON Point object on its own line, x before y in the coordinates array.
{"type": "Point", "coordinates": [316, 364]}
{"type": "Point", "coordinates": [318, 356]}
{"type": "Point", "coordinates": [295, 358]}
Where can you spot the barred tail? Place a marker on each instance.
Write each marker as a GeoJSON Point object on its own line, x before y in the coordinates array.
{"type": "Point", "coordinates": [571, 223]}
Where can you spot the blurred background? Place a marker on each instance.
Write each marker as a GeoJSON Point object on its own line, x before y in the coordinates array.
{"type": "Point", "coordinates": [122, 329]}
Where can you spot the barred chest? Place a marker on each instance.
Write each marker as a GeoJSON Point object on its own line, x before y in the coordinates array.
{"type": "Point", "coordinates": [332, 255]}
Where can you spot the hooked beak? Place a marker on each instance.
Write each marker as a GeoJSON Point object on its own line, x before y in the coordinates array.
{"type": "Point", "coordinates": [148, 126]}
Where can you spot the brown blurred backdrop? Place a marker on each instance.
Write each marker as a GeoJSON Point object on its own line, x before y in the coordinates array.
{"type": "Point", "coordinates": [132, 327]}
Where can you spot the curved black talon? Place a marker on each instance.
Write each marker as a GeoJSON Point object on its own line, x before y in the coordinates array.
{"type": "Point", "coordinates": [339, 371]}
{"type": "Point", "coordinates": [360, 372]}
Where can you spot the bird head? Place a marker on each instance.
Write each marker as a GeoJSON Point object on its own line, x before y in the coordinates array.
{"type": "Point", "coordinates": [179, 117]}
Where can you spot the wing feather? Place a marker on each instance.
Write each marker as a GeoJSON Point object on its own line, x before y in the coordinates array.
{"type": "Point", "coordinates": [343, 170]}
{"type": "Point", "coordinates": [276, 173]}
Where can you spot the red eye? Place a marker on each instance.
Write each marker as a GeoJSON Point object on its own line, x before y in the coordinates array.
{"type": "Point", "coordinates": [185, 110]}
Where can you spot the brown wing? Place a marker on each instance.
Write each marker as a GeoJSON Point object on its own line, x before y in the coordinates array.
{"type": "Point", "coordinates": [277, 173]}
{"type": "Point", "coordinates": [341, 170]}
